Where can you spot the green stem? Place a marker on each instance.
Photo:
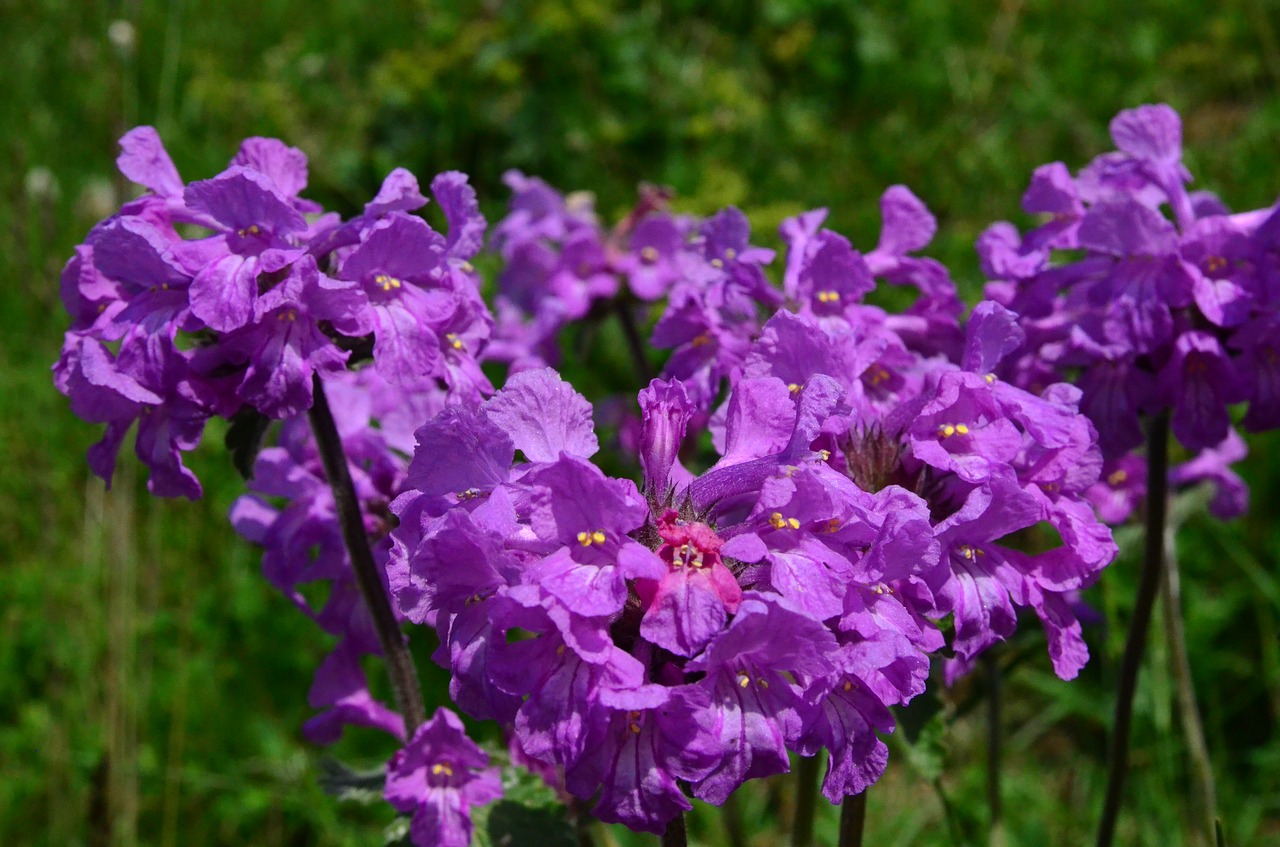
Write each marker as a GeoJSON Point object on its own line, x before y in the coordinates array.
{"type": "Point", "coordinates": [1135, 644]}
{"type": "Point", "coordinates": [806, 801]}
{"type": "Point", "coordinates": [400, 667]}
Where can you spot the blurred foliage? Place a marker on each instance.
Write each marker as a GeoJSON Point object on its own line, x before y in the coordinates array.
{"type": "Point", "coordinates": [152, 686]}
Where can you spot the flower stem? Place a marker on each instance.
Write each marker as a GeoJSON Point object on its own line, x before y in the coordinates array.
{"type": "Point", "coordinates": [635, 343]}
{"type": "Point", "coordinates": [732, 818]}
{"type": "Point", "coordinates": [1192, 728]}
{"type": "Point", "coordinates": [806, 800]}
{"type": "Point", "coordinates": [1135, 644]}
{"type": "Point", "coordinates": [400, 667]}
{"type": "Point", "coordinates": [853, 814]}
{"type": "Point", "coordinates": [675, 836]}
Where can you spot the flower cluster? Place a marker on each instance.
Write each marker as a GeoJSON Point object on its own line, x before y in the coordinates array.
{"type": "Point", "coordinates": [884, 487]}
{"type": "Point", "coordinates": [697, 627]}
{"type": "Point", "coordinates": [1142, 312]}
{"type": "Point", "coordinates": [197, 300]}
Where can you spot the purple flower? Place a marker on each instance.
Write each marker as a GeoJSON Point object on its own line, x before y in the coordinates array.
{"type": "Point", "coordinates": [438, 777]}
{"type": "Point", "coordinates": [1213, 465]}
{"type": "Point", "coordinates": [257, 222]}
{"type": "Point", "coordinates": [285, 345]}
{"type": "Point", "coordinates": [757, 710]}
{"type": "Point", "coordinates": [395, 264]}
{"type": "Point", "coordinates": [646, 745]}
{"type": "Point", "coordinates": [582, 520]}
{"type": "Point", "coordinates": [847, 721]}
{"type": "Point", "coordinates": [340, 689]}
{"type": "Point", "coordinates": [148, 381]}
{"type": "Point", "coordinates": [666, 408]}
{"type": "Point", "coordinates": [1199, 382]}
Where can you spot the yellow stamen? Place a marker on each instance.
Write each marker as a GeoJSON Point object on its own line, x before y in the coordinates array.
{"type": "Point", "coordinates": [743, 680]}
{"type": "Point", "coordinates": [717, 263]}
{"type": "Point", "coordinates": [962, 429]}
{"type": "Point", "coordinates": [794, 387]}
{"type": "Point", "coordinates": [990, 379]}
{"type": "Point", "coordinates": [1117, 478]}
{"type": "Point", "coordinates": [730, 253]}
{"type": "Point", "coordinates": [828, 296]}
{"type": "Point", "coordinates": [946, 430]}
{"type": "Point", "coordinates": [649, 253]}
{"type": "Point", "coordinates": [454, 341]}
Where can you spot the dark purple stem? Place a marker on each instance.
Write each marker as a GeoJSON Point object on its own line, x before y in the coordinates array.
{"type": "Point", "coordinates": [675, 836]}
{"type": "Point", "coordinates": [635, 343]}
{"type": "Point", "coordinates": [853, 815]}
{"type": "Point", "coordinates": [1135, 645]}
{"type": "Point", "coordinates": [400, 667]}
{"type": "Point", "coordinates": [806, 801]}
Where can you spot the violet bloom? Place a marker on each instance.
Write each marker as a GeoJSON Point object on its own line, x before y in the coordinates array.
{"type": "Point", "coordinates": [644, 748]}
{"type": "Point", "coordinates": [395, 265]}
{"type": "Point", "coordinates": [285, 345]}
{"type": "Point", "coordinates": [656, 260]}
{"type": "Point", "coordinates": [1199, 382]}
{"type": "Point", "coordinates": [150, 382]}
{"type": "Point", "coordinates": [258, 225]}
{"type": "Point", "coordinates": [1213, 465]}
{"type": "Point", "coordinates": [438, 777]}
{"type": "Point", "coordinates": [756, 710]}
{"type": "Point", "coordinates": [341, 691]}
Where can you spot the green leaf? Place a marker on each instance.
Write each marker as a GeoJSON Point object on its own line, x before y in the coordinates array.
{"type": "Point", "coordinates": [364, 787]}
{"type": "Point", "coordinates": [510, 824]}
{"type": "Point", "coordinates": [397, 833]}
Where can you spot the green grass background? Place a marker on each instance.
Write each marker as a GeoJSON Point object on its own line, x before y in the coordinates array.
{"type": "Point", "coordinates": [152, 686]}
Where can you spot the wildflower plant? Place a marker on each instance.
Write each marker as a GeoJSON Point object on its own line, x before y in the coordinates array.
{"type": "Point", "coordinates": [832, 497]}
